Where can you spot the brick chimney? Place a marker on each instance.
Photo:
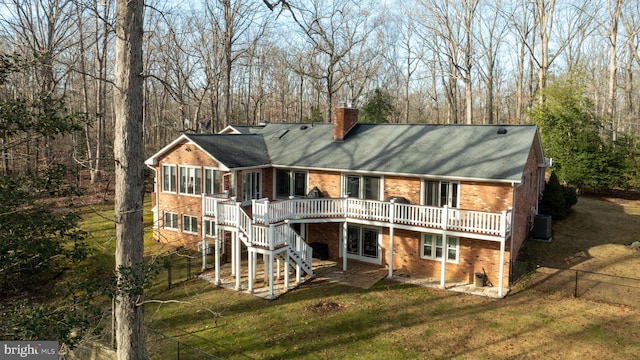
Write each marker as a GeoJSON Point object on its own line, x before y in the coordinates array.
{"type": "Point", "coordinates": [344, 119]}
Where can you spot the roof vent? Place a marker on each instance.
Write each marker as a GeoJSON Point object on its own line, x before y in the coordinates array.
{"type": "Point", "coordinates": [304, 127]}
{"type": "Point", "coordinates": [279, 134]}
{"type": "Point", "coordinates": [502, 131]}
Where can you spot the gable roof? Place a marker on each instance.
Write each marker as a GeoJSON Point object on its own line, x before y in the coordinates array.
{"type": "Point", "coordinates": [475, 152]}
{"type": "Point", "coordinates": [231, 151]}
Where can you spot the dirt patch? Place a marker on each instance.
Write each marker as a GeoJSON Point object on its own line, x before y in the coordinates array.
{"type": "Point", "coordinates": [325, 307]}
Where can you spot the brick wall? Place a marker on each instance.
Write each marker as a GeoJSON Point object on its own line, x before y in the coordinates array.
{"type": "Point", "coordinates": [485, 196]}
{"type": "Point", "coordinates": [327, 182]}
{"type": "Point", "coordinates": [406, 187]}
{"type": "Point", "coordinates": [473, 255]}
{"type": "Point", "coordinates": [184, 154]}
{"type": "Point", "coordinates": [526, 201]}
{"type": "Point", "coordinates": [326, 233]}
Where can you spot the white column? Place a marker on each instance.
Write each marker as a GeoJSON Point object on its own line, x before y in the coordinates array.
{"type": "Point", "coordinates": [344, 246]}
{"type": "Point", "coordinates": [444, 258]}
{"type": "Point", "coordinates": [204, 250]}
{"type": "Point", "coordinates": [266, 258]}
{"type": "Point", "coordinates": [286, 269]}
{"type": "Point", "coordinates": [392, 214]}
{"type": "Point", "coordinates": [445, 225]}
{"type": "Point", "coordinates": [233, 253]}
{"type": "Point", "coordinates": [501, 271]}
{"type": "Point", "coordinates": [217, 258]}
{"type": "Point", "coordinates": [238, 259]}
{"type": "Point", "coordinates": [271, 277]}
{"type": "Point", "coordinates": [251, 274]}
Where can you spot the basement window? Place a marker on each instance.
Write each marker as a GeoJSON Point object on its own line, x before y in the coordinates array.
{"type": "Point", "coordinates": [433, 248]}
{"type": "Point", "coordinates": [170, 220]}
{"type": "Point", "coordinates": [189, 224]}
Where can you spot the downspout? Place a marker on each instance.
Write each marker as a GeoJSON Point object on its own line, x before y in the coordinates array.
{"type": "Point", "coordinates": [156, 216]}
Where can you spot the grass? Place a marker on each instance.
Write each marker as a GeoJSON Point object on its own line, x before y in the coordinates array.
{"type": "Point", "coordinates": [395, 320]}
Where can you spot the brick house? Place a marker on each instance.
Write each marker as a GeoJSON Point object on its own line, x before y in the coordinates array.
{"type": "Point", "coordinates": [444, 201]}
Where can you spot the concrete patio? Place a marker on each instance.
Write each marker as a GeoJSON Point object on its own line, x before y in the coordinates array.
{"type": "Point", "coordinates": [358, 274]}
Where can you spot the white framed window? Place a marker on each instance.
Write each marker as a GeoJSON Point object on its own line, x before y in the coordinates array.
{"type": "Point", "coordinates": [170, 220]}
{"type": "Point", "coordinates": [363, 243]}
{"type": "Point", "coordinates": [190, 180]}
{"type": "Point", "coordinates": [290, 183]}
{"type": "Point", "coordinates": [209, 228]}
{"type": "Point", "coordinates": [432, 247]}
{"type": "Point", "coordinates": [212, 181]}
{"type": "Point", "coordinates": [362, 186]}
{"type": "Point", "coordinates": [168, 178]}
{"type": "Point", "coordinates": [441, 193]}
{"type": "Point", "coordinates": [251, 186]}
{"type": "Point", "coordinates": [189, 224]}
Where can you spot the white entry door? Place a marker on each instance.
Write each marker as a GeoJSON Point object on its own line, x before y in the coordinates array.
{"type": "Point", "coordinates": [251, 186]}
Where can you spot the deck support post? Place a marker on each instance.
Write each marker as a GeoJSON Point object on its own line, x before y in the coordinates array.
{"type": "Point", "coordinates": [501, 271]}
{"type": "Point", "coordinates": [344, 246]}
{"type": "Point", "coordinates": [238, 259]}
{"type": "Point", "coordinates": [270, 257]}
{"type": "Point", "coordinates": [445, 226]}
{"type": "Point", "coordinates": [233, 254]}
{"type": "Point", "coordinates": [267, 273]}
{"type": "Point", "coordinates": [298, 268]}
{"type": "Point", "coordinates": [251, 267]}
{"type": "Point", "coordinates": [443, 264]}
{"type": "Point", "coordinates": [286, 269]}
{"type": "Point", "coordinates": [392, 215]}
{"type": "Point", "coordinates": [217, 258]}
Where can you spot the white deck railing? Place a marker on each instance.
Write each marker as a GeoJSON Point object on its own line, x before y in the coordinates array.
{"type": "Point", "coordinates": [266, 213]}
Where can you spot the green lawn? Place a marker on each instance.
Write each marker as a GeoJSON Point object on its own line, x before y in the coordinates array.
{"type": "Point", "coordinates": [391, 320]}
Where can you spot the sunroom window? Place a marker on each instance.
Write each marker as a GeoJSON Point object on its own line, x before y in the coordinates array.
{"type": "Point", "coordinates": [362, 186]}
{"type": "Point", "coordinates": [190, 180]}
{"type": "Point", "coordinates": [290, 183]}
{"type": "Point", "coordinates": [212, 181]}
{"type": "Point", "coordinates": [441, 193]}
{"type": "Point", "coordinates": [168, 178]}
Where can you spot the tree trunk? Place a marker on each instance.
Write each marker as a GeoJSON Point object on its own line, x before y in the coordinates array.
{"type": "Point", "coordinates": [613, 67]}
{"type": "Point", "coordinates": [128, 156]}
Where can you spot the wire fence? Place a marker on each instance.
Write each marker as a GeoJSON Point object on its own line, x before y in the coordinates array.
{"type": "Point", "coordinates": [589, 285]}
{"type": "Point", "coordinates": [178, 266]}
{"type": "Point", "coordinates": [160, 346]}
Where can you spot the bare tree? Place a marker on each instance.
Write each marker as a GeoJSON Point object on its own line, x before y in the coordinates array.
{"type": "Point", "coordinates": [491, 33]}
{"type": "Point", "coordinates": [129, 162]}
{"type": "Point", "coordinates": [450, 25]}
{"type": "Point", "coordinates": [614, 19]}
{"type": "Point", "coordinates": [334, 29]}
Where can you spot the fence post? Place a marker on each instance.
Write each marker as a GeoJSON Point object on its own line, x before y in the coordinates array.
{"type": "Point", "coordinates": [575, 289]}
{"type": "Point", "coordinates": [188, 267]}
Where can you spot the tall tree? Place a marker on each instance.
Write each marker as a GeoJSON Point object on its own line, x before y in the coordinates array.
{"type": "Point", "coordinates": [334, 28]}
{"type": "Point", "coordinates": [614, 19]}
{"type": "Point", "coordinates": [129, 159]}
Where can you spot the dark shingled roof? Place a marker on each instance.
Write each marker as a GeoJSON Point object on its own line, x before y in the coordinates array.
{"type": "Point", "coordinates": [479, 152]}
{"type": "Point", "coordinates": [457, 151]}
{"type": "Point", "coordinates": [234, 151]}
